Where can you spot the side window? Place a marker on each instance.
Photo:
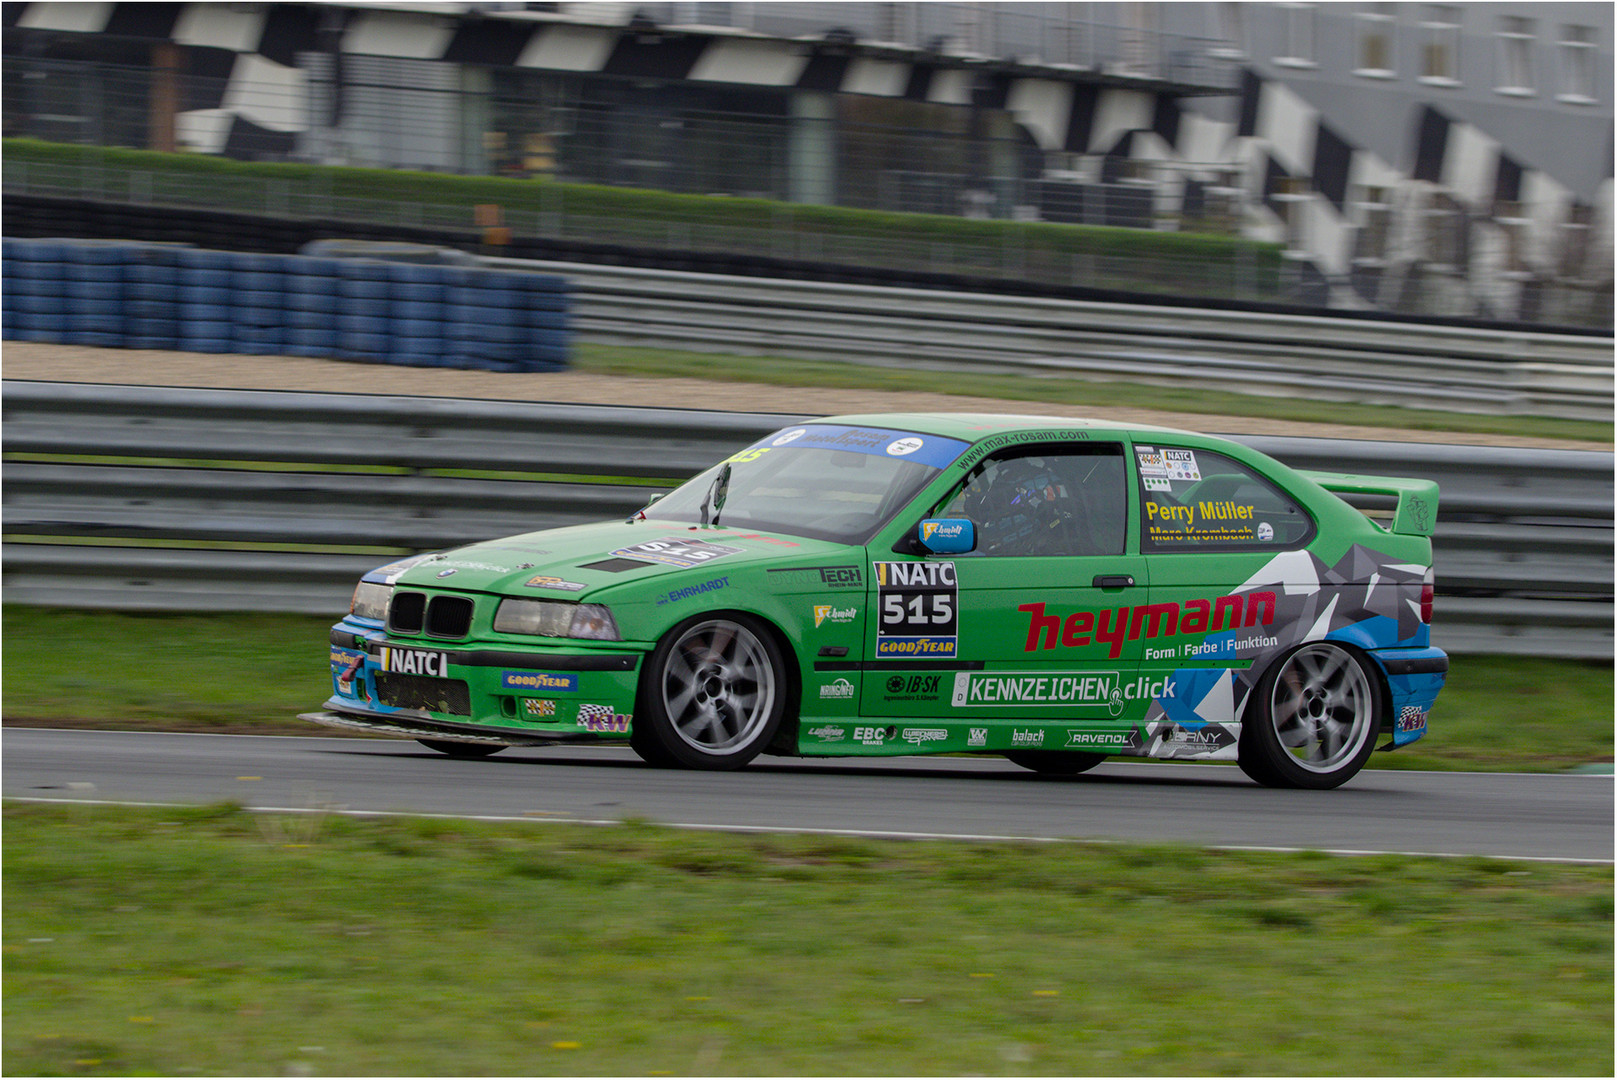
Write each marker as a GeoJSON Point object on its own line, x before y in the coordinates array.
{"type": "Point", "coordinates": [1065, 500]}
{"type": "Point", "coordinates": [1195, 500]}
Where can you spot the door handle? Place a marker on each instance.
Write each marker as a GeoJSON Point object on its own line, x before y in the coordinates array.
{"type": "Point", "coordinates": [1113, 581]}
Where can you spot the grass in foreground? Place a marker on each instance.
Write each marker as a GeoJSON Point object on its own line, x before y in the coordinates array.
{"type": "Point", "coordinates": [254, 673]}
{"type": "Point", "coordinates": [1066, 390]}
{"type": "Point", "coordinates": [212, 941]}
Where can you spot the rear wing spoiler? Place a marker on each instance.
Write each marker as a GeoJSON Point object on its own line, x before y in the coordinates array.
{"type": "Point", "coordinates": [1415, 513]}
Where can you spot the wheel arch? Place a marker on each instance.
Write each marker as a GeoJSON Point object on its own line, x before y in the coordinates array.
{"type": "Point", "coordinates": [785, 740]}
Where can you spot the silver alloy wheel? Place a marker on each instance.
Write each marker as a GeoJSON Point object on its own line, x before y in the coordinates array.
{"type": "Point", "coordinates": [1322, 707]}
{"type": "Point", "coordinates": [718, 686]}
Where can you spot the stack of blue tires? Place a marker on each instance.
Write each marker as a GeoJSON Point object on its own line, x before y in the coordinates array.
{"type": "Point", "coordinates": [207, 296]}
{"type": "Point", "coordinates": [311, 306]}
{"type": "Point", "coordinates": [156, 296]}
{"type": "Point", "coordinates": [152, 297]}
{"type": "Point", "coordinates": [260, 300]}
{"type": "Point", "coordinates": [35, 298]}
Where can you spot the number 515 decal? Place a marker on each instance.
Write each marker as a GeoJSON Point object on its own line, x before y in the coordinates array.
{"type": "Point", "coordinates": [919, 615]}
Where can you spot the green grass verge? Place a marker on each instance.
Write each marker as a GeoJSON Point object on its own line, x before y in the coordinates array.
{"type": "Point", "coordinates": [1143, 259]}
{"type": "Point", "coordinates": [780, 371]}
{"type": "Point", "coordinates": [255, 673]}
{"type": "Point", "coordinates": [216, 942]}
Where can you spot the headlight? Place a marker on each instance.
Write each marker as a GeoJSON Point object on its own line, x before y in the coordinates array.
{"type": "Point", "coordinates": [370, 600]}
{"type": "Point", "coordinates": [555, 618]}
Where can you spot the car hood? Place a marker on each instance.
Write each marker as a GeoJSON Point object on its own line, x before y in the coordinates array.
{"type": "Point", "coordinates": [576, 562]}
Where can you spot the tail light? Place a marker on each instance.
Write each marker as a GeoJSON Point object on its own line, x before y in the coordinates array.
{"type": "Point", "coordinates": [1427, 590]}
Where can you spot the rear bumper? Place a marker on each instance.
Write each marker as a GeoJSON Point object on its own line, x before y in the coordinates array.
{"type": "Point", "coordinates": [1414, 677]}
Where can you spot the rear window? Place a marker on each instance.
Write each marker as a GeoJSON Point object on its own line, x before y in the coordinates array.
{"type": "Point", "coordinates": [1196, 500]}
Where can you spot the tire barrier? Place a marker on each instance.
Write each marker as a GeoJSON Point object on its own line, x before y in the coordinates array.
{"type": "Point", "coordinates": [166, 296]}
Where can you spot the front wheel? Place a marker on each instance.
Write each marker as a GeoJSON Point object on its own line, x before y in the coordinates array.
{"type": "Point", "coordinates": [1313, 720]}
{"type": "Point", "coordinates": [713, 694]}
{"type": "Point", "coordinates": [1055, 762]}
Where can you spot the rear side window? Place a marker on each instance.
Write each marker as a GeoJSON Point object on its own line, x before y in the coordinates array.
{"type": "Point", "coordinates": [1196, 500]}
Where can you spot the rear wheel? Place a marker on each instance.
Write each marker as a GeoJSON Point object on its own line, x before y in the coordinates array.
{"type": "Point", "coordinates": [461, 749]}
{"type": "Point", "coordinates": [713, 694]}
{"type": "Point", "coordinates": [1055, 762]}
{"type": "Point", "coordinates": [1313, 721]}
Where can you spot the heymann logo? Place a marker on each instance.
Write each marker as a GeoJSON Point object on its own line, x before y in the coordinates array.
{"type": "Point", "coordinates": [1113, 626]}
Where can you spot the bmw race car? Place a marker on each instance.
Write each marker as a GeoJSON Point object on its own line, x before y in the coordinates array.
{"type": "Point", "coordinates": [1059, 592]}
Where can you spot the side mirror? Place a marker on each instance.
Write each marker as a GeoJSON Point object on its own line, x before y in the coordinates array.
{"type": "Point", "coordinates": [947, 536]}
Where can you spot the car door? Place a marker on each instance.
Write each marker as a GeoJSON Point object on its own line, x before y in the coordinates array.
{"type": "Point", "coordinates": [1029, 634]}
{"type": "Point", "coordinates": [1209, 526]}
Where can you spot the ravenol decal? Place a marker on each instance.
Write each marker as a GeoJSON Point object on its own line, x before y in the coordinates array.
{"type": "Point", "coordinates": [549, 682]}
{"type": "Point", "coordinates": [539, 707]}
{"type": "Point", "coordinates": [1115, 626]}
{"type": "Point", "coordinates": [1095, 690]}
{"type": "Point", "coordinates": [1127, 740]}
{"type": "Point", "coordinates": [413, 662]}
{"type": "Point", "coordinates": [919, 613]}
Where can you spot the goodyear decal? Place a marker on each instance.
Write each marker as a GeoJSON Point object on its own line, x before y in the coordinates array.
{"type": "Point", "coordinates": [546, 681]}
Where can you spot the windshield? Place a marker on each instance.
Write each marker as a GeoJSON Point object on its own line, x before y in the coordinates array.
{"type": "Point", "coordinates": [823, 481]}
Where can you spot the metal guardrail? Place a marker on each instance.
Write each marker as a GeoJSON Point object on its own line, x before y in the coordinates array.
{"type": "Point", "coordinates": [1413, 365]}
{"type": "Point", "coordinates": [224, 500]}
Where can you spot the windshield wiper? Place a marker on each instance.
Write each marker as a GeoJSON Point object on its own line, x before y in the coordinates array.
{"type": "Point", "coordinates": [717, 494]}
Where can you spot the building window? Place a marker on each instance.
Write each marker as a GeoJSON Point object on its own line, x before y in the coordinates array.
{"type": "Point", "coordinates": [1229, 31]}
{"type": "Point", "coordinates": [1577, 64]}
{"type": "Point", "coordinates": [1298, 49]}
{"type": "Point", "coordinates": [1515, 55]}
{"type": "Point", "coordinates": [1440, 45]}
{"type": "Point", "coordinates": [1375, 226]}
{"type": "Point", "coordinates": [1378, 41]}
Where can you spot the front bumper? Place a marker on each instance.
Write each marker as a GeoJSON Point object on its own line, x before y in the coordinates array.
{"type": "Point", "coordinates": [478, 691]}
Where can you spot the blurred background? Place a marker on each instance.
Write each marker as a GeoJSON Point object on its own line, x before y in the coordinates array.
{"type": "Point", "coordinates": [1437, 160]}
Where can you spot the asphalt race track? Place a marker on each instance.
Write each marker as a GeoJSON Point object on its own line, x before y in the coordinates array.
{"type": "Point", "coordinates": [1514, 815]}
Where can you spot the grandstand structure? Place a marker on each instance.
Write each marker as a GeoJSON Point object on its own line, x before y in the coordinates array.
{"type": "Point", "coordinates": [1438, 159]}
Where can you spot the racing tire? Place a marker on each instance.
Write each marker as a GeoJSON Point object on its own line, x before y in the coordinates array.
{"type": "Point", "coordinates": [461, 749]}
{"type": "Point", "coordinates": [1313, 719]}
{"type": "Point", "coordinates": [1055, 762]}
{"type": "Point", "coordinates": [713, 694]}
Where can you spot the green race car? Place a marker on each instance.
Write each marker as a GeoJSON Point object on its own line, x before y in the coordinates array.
{"type": "Point", "coordinates": [1055, 591]}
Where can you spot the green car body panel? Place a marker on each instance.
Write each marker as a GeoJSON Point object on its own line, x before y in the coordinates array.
{"type": "Point", "coordinates": [1129, 591]}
